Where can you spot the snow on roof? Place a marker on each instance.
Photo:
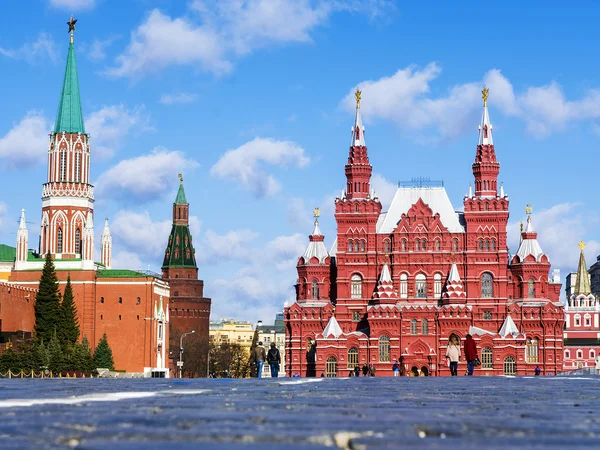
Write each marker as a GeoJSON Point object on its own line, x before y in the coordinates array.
{"type": "Point", "coordinates": [435, 197]}
{"type": "Point", "coordinates": [480, 331]}
{"type": "Point", "coordinates": [332, 328]}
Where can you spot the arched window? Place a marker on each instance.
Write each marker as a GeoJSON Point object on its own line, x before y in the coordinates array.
{"type": "Point", "coordinates": [493, 244]}
{"type": "Point", "coordinates": [315, 289]}
{"type": "Point", "coordinates": [403, 245]}
{"type": "Point", "coordinates": [487, 360]}
{"type": "Point", "coordinates": [331, 367]}
{"type": "Point", "coordinates": [577, 318]}
{"type": "Point", "coordinates": [362, 245]}
{"type": "Point", "coordinates": [414, 326]}
{"type": "Point", "coordinates": [384, 348]}
{"type": "Point", "coordinates": [78, 166]}
{"type": "Point", "coordinates": [403, 286]}
{"type": "Point", "coordinates": [531, 288]}
{"type": "Point", "coordinates": [421, 286]}
{"type": "Point", "coordinates": [487, 315]}
{"type": "Point", "coordinates": [437, 285]}
{"type": "Point", "coordinates": [437, 245]}
{"type": "Point", "coordinates": [77, 241]}
{"type": "Point", "coordinates": [567, 354]}
{"type": "Point", "coordinates": [423, 244]}
{"type": "Point", "coordinates": [352, 358]}
{"type": "Point", "coordinates": [63, 164]}
{"type": "Point", "coordinates": [386, 246]}
{"type": "Point", "coordinates": [350, 246]}
{"type": "Point", "coordinates": [425, 326]}
{"type": "Point", "coordinates": [487, 245]}
{"type": "Point", "coordinates": [356, 246]}
{"type": "Point", "coordinates": [356, 208]}
{"type": "Point", "coordinates": [592, 354]}
{"type": "Point", "coordinates": [487, 286]}
{"type": "Point", "coordinates": [531, 353]}
{"type": "Point", "coordinates": [59, 241]}
{"type": "Point", "coordinates": [417, 245]}
{"type": "Point", "coordinates": [455, 245]}
{"type": "Point", "coordinates": [480, 243]}
{"type": "Point", "coordinates": [356, 286]}
{"type": "Point", "coordinates": [587, 320]}
{"type": "Point", "coordinates": [510, 366]}
{"type": "Point", "coordinates": [579, 354]}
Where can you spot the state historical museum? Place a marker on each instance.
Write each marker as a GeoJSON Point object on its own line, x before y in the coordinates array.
{"type": "Point", "coordinates": [398, 283]}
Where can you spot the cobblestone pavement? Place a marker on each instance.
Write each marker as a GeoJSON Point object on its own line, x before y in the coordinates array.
{"type": "Point", "coordinates": [355, 413]}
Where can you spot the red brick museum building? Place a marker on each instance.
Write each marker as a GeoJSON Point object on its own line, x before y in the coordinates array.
{"type": "Point", "coordinates": [397, 284]}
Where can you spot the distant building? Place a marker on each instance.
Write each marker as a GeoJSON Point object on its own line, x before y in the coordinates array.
{"type": "Point", "coordinates": [582, 322]}
{"type": "Point", "coordinates": [231, 331]}
{"type": "Point", "coordinates": [273, 333]}
{"type": "Point", "coordinates": [595, 277]}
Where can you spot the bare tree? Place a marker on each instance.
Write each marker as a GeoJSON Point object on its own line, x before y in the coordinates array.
{"type": "Point", "coordinates": [195, 353]}
{"type": "Point", "coordinates": [229, 360]}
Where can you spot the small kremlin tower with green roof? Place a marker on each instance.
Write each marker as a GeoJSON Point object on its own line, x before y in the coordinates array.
{"type": "Point", "coordinates": [189, 309]}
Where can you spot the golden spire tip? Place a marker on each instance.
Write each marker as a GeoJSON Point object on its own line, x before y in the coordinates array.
{"type": "Point", "coordinates": [581, 245]}
{"type": "Point", "coordinates": [357, 95]}
{"type": "Point", "coordinates": [484, 95]}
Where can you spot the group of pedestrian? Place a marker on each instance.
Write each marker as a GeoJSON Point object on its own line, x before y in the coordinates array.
{"type": "Point", "coordinates": [453, 354]}
{"type": "Point", "coordinates": [272, 357]}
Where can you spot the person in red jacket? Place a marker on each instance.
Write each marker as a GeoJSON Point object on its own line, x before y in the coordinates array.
{"type": "Point", "coordinates": [470, 353]}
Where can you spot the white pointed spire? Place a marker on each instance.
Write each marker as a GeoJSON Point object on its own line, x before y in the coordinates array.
{"type": "Point", "coordinates": [502, 190]}
{"type": "Point", "coordinates": [470, 191]}
{"type": "Point", "coordinates": [454, 276]}
{"type": "Point", "coordinates": [385, 286]}
{"type": "Point", "coordinates": [485, 129]}
{"type": "Point", "coordinates": [529, 244]}
{"type": "Point", "coordinates": [333, 328]}
{"type": "Point", "coordinates": [454, 288]}
{"type": "Point", "coordinates": [316, 247]}
{"type": "Point", "coordinates": [385, 274]}
{"type": "Point", "coordinates": [88, 242]}
{"type": "Point", "coordinates": [22, 242]}
{"type": "Point", "coordinates": [106, 256]}
{"type": "Point", "coordinates": [508, 327]}
{"type": "Point", "coordinates": [358, 130]}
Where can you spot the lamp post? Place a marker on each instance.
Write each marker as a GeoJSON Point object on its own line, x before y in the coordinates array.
{"type": "Point", "coordinates": [180, 363]}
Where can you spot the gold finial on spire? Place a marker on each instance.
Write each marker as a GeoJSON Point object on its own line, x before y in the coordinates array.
{"type": "Point", "coordinates": [357, 95]}
{"type": "Point", "coordinates": [180, 178]}
{"type": "Point", "coordinates": [528, 209]}
{"type": "Point", "coordinates": [484, 95]}
{"type": "Point", "coordinates": [581, 246]}
{"type": "Point", "coordinates": [71, 24]}
{"type": "Point", "coordinates": [316, 214]}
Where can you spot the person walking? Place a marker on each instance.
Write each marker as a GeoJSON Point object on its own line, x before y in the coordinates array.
{"type": "Point", "coordinates": [356, 371]}
{"type": "Point", "coordinates": [537, 371]}
{"type": "Point", "coordinates": [396, 368]}
{"type": "Point", "coordinates": [365, 370]}
{"type": "Point", "coordinates": [470, 354]}
{"type": "Point", "coordinates": [274, 359]}
{"type": "Point", "coordinates": [453, 354]}
{"type": "Point", "coordinates": [372, 370]}
{"type": "Point", "coordinates": [259, 358]}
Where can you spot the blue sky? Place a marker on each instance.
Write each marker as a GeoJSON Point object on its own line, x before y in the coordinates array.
{"type": "Point", "coordinates": [252, 101]}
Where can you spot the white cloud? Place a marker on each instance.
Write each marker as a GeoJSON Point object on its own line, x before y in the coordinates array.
{"type": "Point", "coordinates": [33, 52]}
{"type": "Point", "coordinates": [3, 211]}
{"type": "Point", "coordinates": [405, 99]}
{"type": "Point", "coordinates": [109, 126]}
{"type": "Point", "coordinates": [560, 228]}
{"type": "Point", "coordinates": [265, 282]}
{"type": "Point", "coordinates": [384, 189]}
{"type": "Point", "coordinates": [231, 246]}
{"type": "Point", "coordinates": [97, 49]}
{"type": "Point", "coordinates": [127, 260]}
{"type": "Point", "coordinates": [143, 178]}
{"type": "Point", "coordinates": [243, 164]}
{"type": "Point", "coordinates": [182, 97]}
{"type": "Point", "coordinates": [27, 142]}
{"type": "Point", "coordinates": [72, 5]}
{"type": "Point", "coordinates": [161, 41]}
{"type": "Point", "coordinates": [138, 233]}
{"type": "Point", "coordinates": [227, 29]}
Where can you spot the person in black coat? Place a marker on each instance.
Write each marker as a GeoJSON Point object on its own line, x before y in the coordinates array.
{"type": "Point", "coordinates": [274, 359]}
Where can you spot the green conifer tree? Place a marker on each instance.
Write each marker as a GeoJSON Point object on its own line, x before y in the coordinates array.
{"type": "Point", "coordinates": [47, 302]}
{"type": "Point", "coordinates": [56, 358]}
{"type": "Point", "coordinates": [103, 356]}
{"type": "Point", "coordinates": [68, 328]}
{"type": "Point", "coordinates": [88, 363]}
